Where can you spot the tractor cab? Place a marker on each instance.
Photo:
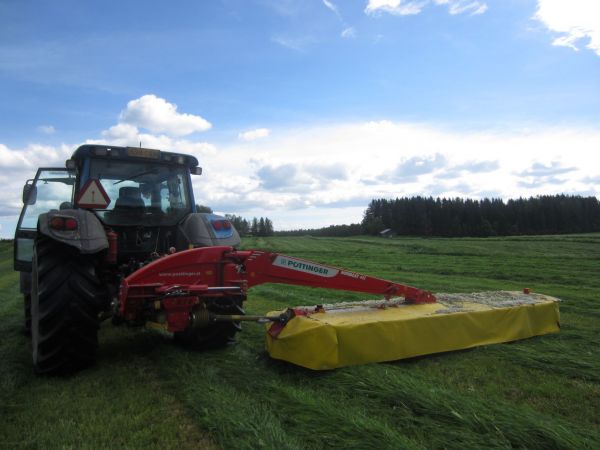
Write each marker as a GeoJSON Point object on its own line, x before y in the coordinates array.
{"type": "Point", "coordinates": [135, 186]}
{"type": "Point", "coordinates": [143, 196]}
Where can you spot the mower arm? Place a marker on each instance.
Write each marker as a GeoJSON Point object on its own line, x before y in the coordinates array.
{"type": "Point", "coordinates": [262, 267]}
{"type": "Point", "coordinates": [177, 282]}
{"type": "Point", "coordinates": [215, 270]}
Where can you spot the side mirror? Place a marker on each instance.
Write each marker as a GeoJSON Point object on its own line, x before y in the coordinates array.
{"type": "Point", "coordinates": [29, 194]}
{"type": "Point", "coordinates": [196, 170]}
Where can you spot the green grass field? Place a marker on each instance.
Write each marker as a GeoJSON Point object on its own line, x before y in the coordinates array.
{"type": "Point", "coordinates": [144, 391]}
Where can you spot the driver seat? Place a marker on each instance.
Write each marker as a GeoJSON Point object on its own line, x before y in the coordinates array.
{"type": "Point", "coordinates": [130, 199]}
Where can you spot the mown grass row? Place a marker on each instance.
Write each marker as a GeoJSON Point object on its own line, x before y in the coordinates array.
{"type": "Point", "coordinates": [145, 392]}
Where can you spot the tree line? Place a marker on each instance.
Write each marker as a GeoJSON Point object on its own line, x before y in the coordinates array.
{"type": "Point", "coordinates": [454, 217]}
{"type": "Point", "coordinates": [353, 229]}
{"type": "Point", "coordinates": [262, 226]}
{"type": "Point", "coordinates": [426, 216]}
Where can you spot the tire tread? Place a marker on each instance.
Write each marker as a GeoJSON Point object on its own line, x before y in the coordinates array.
{"type": "Point", "coordinates": [66, 301]}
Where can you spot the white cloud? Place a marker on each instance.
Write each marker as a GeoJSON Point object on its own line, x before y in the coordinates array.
{"type": "Point", "coordinates": [543, 170]}
{"type": "Point", "coordinates": [252, 135]}
{"type": "Point", "coordinates": [198, 149]}
{"type": "Point", "coordinates": [405, 8]}
{"type": "Point", "coordinates": [294, 43]}
{"type": "Point", "coordinates": [280, 177]}
{"type": "Point", "coordinates": [126, 134]}
{"type": "Point", "coordinates": [461, 6]}
{"type": "Point", "coordinates": [348, 33]}
{"type": "Point", "coordinates": [32, 157]}
{"type": "Point", "coordinates": [396, 7]}
{"type": "Point", "coordinates": [575, 20]}
{"type": "Point", "coordinates": [465, 169]}
{"type": "Point", "coordinates": [330, 5]}
{"type": "Point", "coordinates": [300, 178]}
{"type": "Point", "coordinates": [159, 116]}
{"type": "Point", "coordinates": [409, 169]}
{"type": "Point", "coordinates": [46, 129]}
{"type": "Point", "coordinates": [12, 159]}
{"type": "Point", "coordinates": [122, 134]}
{"type": "Point", "coordinates": [327, 172]}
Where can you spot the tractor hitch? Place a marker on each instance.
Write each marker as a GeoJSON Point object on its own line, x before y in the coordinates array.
{"type": "Point", "coordinates": [206, 318]}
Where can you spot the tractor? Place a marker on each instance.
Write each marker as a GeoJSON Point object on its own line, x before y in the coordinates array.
{"type": "Point", "coordinates": [85, 227]}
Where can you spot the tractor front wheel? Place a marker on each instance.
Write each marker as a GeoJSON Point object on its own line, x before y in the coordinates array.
{"type": "Point", "coordinates": [214, 335]}
{"type": "Point", "coordinates": [66, 298]}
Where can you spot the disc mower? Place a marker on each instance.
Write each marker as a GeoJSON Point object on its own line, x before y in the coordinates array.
{"type": "Point", "coordinates": [115, 234]}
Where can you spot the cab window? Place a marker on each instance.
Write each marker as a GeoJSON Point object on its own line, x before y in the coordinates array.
{"type": "Point", "coordinates": [142, 193]}
{"type": "Point", "coordinates": [53, 190]}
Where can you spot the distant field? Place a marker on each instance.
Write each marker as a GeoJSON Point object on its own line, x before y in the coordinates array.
{"type": "Point", "coordinates": [541, 393]}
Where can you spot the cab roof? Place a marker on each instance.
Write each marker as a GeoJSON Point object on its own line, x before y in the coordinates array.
{"type": "Point", "coordinates": [132, 154]}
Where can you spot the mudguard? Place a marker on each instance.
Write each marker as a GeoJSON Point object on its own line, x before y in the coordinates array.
{"type": "Point", "coordinates": [88, 238]}
{"type": "Point", "coordinates": [199, 230]}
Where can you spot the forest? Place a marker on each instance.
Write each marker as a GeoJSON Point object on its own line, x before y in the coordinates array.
{"type": "Point", "coordinates": [420, 216]}
{"type": "Point", "coordinates": [456, 217]}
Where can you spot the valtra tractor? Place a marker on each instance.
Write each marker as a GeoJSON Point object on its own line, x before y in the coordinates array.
{"type": "Point", "coordinates": [115, 234]}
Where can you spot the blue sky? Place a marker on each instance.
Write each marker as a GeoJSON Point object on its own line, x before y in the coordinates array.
{"type": "Point", "coordinates": [304, 110]}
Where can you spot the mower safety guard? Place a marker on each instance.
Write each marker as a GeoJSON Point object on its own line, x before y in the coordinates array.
{"type": "Point", "coordinates": [177, 283]}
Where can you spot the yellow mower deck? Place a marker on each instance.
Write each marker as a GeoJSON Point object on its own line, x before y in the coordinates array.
{"type": "Point", "coordinates": [365, 332]}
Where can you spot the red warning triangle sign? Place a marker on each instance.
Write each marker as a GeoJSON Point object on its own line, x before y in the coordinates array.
{"type": "Point", "coordinates": [92, 195]}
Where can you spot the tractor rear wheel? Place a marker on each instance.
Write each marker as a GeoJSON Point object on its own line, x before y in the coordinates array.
{"type": "Point", "coordinates": [66, 298]}
{"type": "Point", "coordinates": [217, 334]}
{"type": "Point", "coordinates": [27, 311]}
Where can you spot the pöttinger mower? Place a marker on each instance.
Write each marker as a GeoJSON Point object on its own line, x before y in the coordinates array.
{"type": "Point", "coordinates": [115, 234]}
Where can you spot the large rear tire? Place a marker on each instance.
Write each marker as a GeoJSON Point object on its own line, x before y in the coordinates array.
{"type": "Point", "coordinates": [27, 312]}
{"type": "Point", "coordinates": [215, 335]}
{"type": "Point", "coordinates": [66, 298]}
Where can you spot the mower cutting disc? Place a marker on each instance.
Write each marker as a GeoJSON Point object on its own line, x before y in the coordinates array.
{"type": "Point", "coordinates": [362, 332]}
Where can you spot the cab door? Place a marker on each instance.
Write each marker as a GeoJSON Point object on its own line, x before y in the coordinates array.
{"type": "Point", "coordinates": [52, 188]}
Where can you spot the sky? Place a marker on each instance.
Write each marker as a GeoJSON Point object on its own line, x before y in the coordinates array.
{"type": "Point", "coordinates": [304, 110]}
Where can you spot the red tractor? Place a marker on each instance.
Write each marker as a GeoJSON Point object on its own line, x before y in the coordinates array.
{"type": "Point", "coordinates": [116, 234]}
